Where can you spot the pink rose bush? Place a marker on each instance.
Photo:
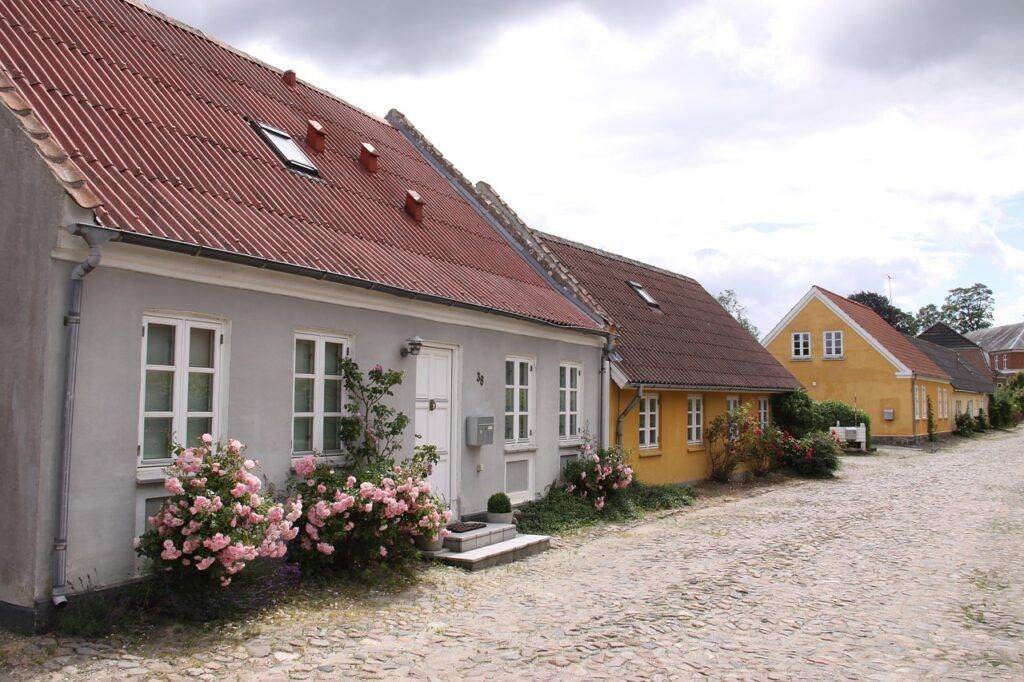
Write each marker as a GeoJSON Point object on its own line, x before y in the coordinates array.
{"type": "Point", "coordinates": [354, 520]}
{"type": "Point", "coordinates": [595, 474]}
{"type": "Point", "coordinates": [217, 518]}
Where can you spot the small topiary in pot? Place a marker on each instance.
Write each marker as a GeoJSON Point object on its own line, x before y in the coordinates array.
{"type": "Point", "coordinates": [499, 509]}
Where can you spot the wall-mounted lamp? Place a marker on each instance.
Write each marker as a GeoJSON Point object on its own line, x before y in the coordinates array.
{"type": "Point", "coordinates": [412, 346]}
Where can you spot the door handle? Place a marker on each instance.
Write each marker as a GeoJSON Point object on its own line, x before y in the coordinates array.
{"type": "Point", "coordinates": [433, 404]}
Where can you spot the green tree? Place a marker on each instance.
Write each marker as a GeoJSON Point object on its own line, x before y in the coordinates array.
{"type": "Point", "coordinates": [969, 309]}
{"type": "Point", "coordinates": [929, 315]}
{"type": "Point", "coordinates": [900, 319]}
{"type": "Point", "coordinates": [731, 302]}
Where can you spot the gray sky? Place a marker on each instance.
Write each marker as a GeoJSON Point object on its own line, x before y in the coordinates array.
{"type": "Point", "coordinates": [758, 146]}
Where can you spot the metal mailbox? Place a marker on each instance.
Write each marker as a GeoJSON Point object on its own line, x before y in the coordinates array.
{"type": "Point", "coordinates": [479, 431]}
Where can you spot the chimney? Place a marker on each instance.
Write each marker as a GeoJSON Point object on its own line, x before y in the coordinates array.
{"type": "Point", "coordinates": [289, 78]}
{"type": "Point", "coordinates": [414, 205]}
{"type": "Point", "coordinates": [369, 158]}
{"type": "Point", "coordinates": [316, 136]}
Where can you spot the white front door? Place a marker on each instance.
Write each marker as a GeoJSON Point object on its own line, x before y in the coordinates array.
{"type": "Point", "coordinates": [434, 414]}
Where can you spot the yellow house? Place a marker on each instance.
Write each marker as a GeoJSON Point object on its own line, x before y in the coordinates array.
{"type": "Point", "coordinates": [842, 350]}
{"type": "Point", "coordinates": [680, 361]}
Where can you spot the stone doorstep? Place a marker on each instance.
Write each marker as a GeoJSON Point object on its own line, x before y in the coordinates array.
{"type": "Point", "coordinates": [519, 547]}
{"type": "Point", "coordinates": [490, 534]}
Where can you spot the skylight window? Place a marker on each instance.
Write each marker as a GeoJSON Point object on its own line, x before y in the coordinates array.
{"type": "Point", "coordinates": [289, 152]}
{"type": "Point", "coordinates": [644, 294]}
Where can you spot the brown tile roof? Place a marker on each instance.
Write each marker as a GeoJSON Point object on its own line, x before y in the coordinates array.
{"type": "Point", "coordinates": [689, 340]}
{"type": "Point", "coordinates": [897, 343]}
{"type": "Point", "coordinates": [147, 122]}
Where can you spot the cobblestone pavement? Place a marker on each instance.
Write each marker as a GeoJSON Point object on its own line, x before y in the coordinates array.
{"type": "Point", "coordinates": [908, 565]}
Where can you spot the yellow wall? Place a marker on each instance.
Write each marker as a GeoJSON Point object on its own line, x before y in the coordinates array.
{"type": "Point", "coordinates": [674, 460]}
{"type": "Point", "coordinates": [863, 377]}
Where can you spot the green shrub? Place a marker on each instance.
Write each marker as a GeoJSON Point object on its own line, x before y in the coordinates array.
{"type": "Point", "coordinates": [560, 511]}
{"type": "Point", "coordinates": [981, 422]}
{"type": "Point", "coordinates": [827, 412]}
{"type": "Point", "coordinates": [765, 450]}
{"type": "Point", "coordinates": [816, 455]}
{"type": "Point", "coordinates": [793, 412]}
{"type": "Point", "coordinates": [498, 503]}
{"type": "Point", "coordinates": [965, 425]}
{"type": "Point", "coordinates": [931, 418]}
{"type": "Point", "coordinates": [1000, 409]}
{"type": "Point", "coordinates": [730, 439]}
{"type": "Point", "coordinates": [598, 474]}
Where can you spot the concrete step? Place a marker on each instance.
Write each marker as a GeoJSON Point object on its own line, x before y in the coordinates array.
{"type": "Point", "coordinates": [505, 552]}
{"type": "Point", "coordinates": [490, 534]}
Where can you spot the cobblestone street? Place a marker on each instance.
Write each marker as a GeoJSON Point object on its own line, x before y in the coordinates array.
{"type": "Point", "coordinates": [908, 565]}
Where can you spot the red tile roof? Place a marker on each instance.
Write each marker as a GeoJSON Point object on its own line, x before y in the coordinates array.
{"type": "Point", "coordinates": [889, 337]}
{"type": "Point", "coordinates": [688, 341]}
{"type": "Point", "coordinates": [146, 121]}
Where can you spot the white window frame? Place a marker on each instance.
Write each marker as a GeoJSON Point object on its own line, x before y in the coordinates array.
{"type": "Point", "coordinates": [518, 410]}
{"type": "Point", "coordinates": [763, 411]}
{"type": "Point", "coordinates": [917, 402]}
{"type": "Point", "coordinates": [319, 377]}
{"type": "Point", "coordinates": [647, 435]}
{"type": "Point", "coordinates": [179, 412]}
{"type": "Point", "coordinates": [694, 419]}
{"type": "Point", "coordinates": [959, 407]}
{"type": "Point", "coordinates": [833, 345]}
{"type": "Point", "coordinates": [800, 341]}
{"type": "Point", "coordinates": [519, 496]}
{"type": "Point", "coordinates": [569, 436]}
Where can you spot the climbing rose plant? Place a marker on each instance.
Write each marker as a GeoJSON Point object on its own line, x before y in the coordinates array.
{"type": "Point", "coordinates": [216, 520]}
{"type": "Point", "coordinates": [371, 432]}
{"type": "Point", "coordinates": [357, 519]}
{"type": "Point", "coordinates": [596, 474]}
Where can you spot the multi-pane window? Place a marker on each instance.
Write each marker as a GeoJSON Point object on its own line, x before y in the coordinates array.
{"type": "Point", "coordinates": [318, 401]}
{"type": "Point", "coordinates": [570, 395]}
{"type": "Point", "coordinates": [801, 344]}
{"type": "Point", "coordinates": [694, 419]}
{"type": "Point", "coordinates": [180, 384]}
{"type": "Point", "coordinates": [833, 342]}
{"type": "Point", "coordinates": [762, 412]}
{"type": "Point", "coordinates": [649, 421]}
{"type": "Point", "coordinates": [518, 387]}
{"type": "Point", "coordinates": [732, 403]}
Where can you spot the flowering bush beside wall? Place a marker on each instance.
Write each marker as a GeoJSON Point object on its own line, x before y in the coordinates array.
{"type": "Point", "coordinates": [216, 520]}
{"type": "Point", "coordinates": [596, 474]}
{"type": "Point", "coordinates": [355, 519]}
{"type": "Point", "coordinates": [816, 455]}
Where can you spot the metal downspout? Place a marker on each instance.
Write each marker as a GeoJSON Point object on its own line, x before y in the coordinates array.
{"type": "Point", "coordinates": [626, 410]}
{"type": "Point", "coordinates": [95, 237]}
{"type": "Point", "coordinates": [604, 399]}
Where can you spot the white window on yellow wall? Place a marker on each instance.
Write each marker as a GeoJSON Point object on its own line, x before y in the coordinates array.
{"type": "Point", "coordinates": [732, 403]}
{"type": "Point", "coordinates": [694, 419]}
{"type": "Point", "coordinates": [917, 402]}
{"type": "Point", "coordinates": [762, 412]}
{"type": "Point", "coordinates": [833, 343]}
{"type": "Point", "coordinates": [649, 419]}
{"type": "Point", "coordinates": [801, 345]}
{"type": "Point", "coordinates": [181, 376]}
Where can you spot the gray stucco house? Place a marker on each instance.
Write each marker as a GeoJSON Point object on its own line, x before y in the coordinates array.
{"type": "Point", "coordinates": [190, 237]}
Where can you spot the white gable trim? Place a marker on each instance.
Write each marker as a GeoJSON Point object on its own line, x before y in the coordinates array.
{"type": "Point", "coordinates": [618, 376]}
{"type": "Point", "coordinates": [814, 293]}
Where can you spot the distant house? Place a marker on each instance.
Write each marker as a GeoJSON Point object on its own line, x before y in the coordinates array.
{"type": "Point", "coordinates": [243, 230]}
{"type": "Point", "coordinates": [842, 350]}
{"type": "Point", "coordinates": [942, 334]}
{"type": "Point", "coordinates": [1005, 348]}
{"type": "Point", "coordinates": [970, 387]}
{"type": "Point", "coordinates": [680, 359]}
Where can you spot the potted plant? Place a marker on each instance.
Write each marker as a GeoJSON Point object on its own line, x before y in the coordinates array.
{"type": "Point", "coordinates": [499, 509]}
